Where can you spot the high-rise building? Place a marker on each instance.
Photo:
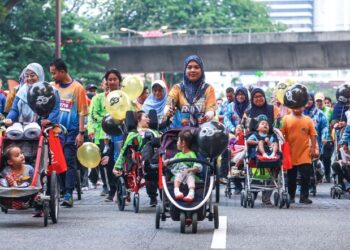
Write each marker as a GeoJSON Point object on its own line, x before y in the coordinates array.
{"type": "Point", "coordinates": [310, 15]}
{"type": "Point", "coordinates": [298, 15]}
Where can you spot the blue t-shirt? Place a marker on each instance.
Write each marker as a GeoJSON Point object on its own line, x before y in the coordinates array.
{"type": "Point", "coordinates": [258, 137]}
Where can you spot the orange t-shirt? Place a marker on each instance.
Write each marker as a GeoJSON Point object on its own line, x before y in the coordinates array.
{"type": "Point", "coordinates": [298, 132]}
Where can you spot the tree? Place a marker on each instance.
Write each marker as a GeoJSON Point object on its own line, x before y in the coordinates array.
{"type": "Point", "coordinates": [16, 53]}
{"type": "Point", "coordinates": [237, 15]}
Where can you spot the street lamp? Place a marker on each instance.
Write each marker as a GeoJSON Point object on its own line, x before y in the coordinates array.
{"type": "Point", "coordinates": [154, 33]}
{"type": "Point", "coordinates": [29, 39]}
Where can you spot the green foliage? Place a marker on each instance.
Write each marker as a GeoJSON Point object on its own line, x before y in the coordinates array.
{"type": "Point", "coordinates": [35, 19]}
{"type": "Point", "coordinates": [234, 15]}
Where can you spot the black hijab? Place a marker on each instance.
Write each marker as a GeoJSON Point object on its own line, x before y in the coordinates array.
{"type": "Point", "coordinates": [266, 109]}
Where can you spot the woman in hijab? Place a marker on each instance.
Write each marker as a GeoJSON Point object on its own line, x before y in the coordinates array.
{"type": "Point", "coordinates": [20, 110]}
{"type": "Point", "coordinates": [259, 106]}
{"type": "Point", "coordinates": [191, 102]}
{"type": "Point", "coordinates": [157, 100]}
{"type": "Point", "coordinates": [236, 110]}
{"type": "Point", "coordinates": [319, 119]}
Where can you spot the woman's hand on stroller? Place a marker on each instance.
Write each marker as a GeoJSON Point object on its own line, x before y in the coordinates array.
{"type": "Point", "coordinates": [45, 123]}
{"type": "Point", "coordinates": [117, 172]}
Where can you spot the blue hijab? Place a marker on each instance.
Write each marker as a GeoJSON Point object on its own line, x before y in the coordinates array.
{"type": "Point", "coordinates": [191, 88]}
{"type": "Point", "coordinates": [153, 103]}
{"type": "Point", "coordinates": [309, 111]}
{"type": "Point", "coordinates": [240, 107]}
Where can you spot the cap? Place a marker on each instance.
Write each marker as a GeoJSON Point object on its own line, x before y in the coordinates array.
{"type": "Point", "coordinates": [319, 96]}
{"type": "Point", "coordinates": [91, 86]}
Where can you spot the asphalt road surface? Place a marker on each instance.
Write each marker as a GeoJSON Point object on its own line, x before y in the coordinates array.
{"type": "Point", "coordinates": [95, 224]}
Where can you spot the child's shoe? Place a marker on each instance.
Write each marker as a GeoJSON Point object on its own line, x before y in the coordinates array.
{"type": "Point", "coordinates": [178, 195]}
{"type": "Point", "coordinates": [189, 197]}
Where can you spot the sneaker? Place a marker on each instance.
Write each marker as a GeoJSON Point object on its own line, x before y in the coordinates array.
{"type": "Point", "coordinates": [109, 198]}
{"type": "Point", "coordinates": [305, 200]}
{"type": "Point", "coordinates": [153, 202]}
{"type": "Point", "coordinates": [179, 196]}
{"type": "Point", "coordinates": [67, 200]}
{"type": "Point", "coordinates": [104, 192]}
{"type": "Point", "coordinates": [189, 198]}
{"type": "Point", "coordinates": [84, 189]}
{"type": "Point", "coordinates": [223, 181]}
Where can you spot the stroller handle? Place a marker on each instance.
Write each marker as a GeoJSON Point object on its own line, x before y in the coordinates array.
{"type": "Point", "coordinates": [52, 126]}
{"type": "Point", "coordinates": [172, 162]}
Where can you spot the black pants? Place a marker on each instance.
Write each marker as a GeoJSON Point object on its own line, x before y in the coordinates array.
{"type": "Point", "coordinates": [150, 158]}
{"type": "Point", "coordinates": [225, 163]}
{"type": "Point", "coordinates": [94, 173]}
{"type": "Point", "coordinates": [305, 171]}
{"type": "Point", "coordinates": [342, 171]}
{"type": "Point", "coordinates": [326, 157]}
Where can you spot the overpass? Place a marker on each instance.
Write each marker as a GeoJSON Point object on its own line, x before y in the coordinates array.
{"type": "Point", "coordinates": [233, 52]}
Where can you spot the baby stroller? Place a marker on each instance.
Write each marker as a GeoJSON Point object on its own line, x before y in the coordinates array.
{"type": "Point", "coordinates": [338, 189]}
{"type": "Point", "coordinates": [44, 187]}
{"type": "Point", "coordinates": [133, 178]}
{"type": "Point", "coordinates": [188, 213]}
{"type": "Point", "coordinates": [265, 175]}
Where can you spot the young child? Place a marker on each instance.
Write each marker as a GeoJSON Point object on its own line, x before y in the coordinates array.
{"type": "Point", "coordinates": [261, 142]}
{"type": "Point", "coordinates": [237, 151]}
{"type": "Point", "coordinates": [342, 167]}
{"type": "Point", "coordinates": [299, 131]}
{"type": "Point", "coordinates": [184, 171]}
{"type": "Point", "coordinates": [17, 173]}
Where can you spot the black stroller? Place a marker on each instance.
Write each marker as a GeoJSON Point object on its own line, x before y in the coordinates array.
{"type": "Point", "coordinates": [188, 213]}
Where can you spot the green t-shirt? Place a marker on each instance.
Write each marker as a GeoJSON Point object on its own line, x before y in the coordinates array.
{"type": "Point", "coordinates": [181, 166]}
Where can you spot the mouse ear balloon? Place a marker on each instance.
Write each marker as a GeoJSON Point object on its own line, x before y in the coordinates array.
{"type": "Point", "coordinates": [296, 96]}
{"type": "Point", "coordinates": [343, 93]}
{"type": "Point", "coordinates": [41, 98]}
{"type": "Point", "coordinates": [212, 139]}
{"type": "Point", "coordinates": [111, 126]}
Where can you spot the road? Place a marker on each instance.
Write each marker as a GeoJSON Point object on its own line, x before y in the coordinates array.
{"type": "Point", "coordinates": [95, 224]}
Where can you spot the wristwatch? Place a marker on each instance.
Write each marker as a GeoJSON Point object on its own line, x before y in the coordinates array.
{"type": "Point", "coordinates": [81, 132]}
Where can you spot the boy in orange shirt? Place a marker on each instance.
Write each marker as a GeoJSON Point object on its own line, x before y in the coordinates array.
{"type": "Point", "coordinates": [299, 130]}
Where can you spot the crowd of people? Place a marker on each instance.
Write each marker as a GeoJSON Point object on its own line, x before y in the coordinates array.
{"type": "Point", "coordinates": [187, 104]}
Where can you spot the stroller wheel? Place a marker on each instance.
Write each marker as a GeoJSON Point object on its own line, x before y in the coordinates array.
{"type": "Point", "coordinates": [4, 210]}
{"type": "Point", "coordinates": [282, 201]}
{"type": "Point", "coordinates": [242, 198]}
{"type": "Point", "coordinates": [136, 202]}
{"type": "Point", "coordinates": [194, 223]}
{"type": "Point", "coordinates": [121, 193]}
{"type": "Point", "coordinates": [216, 217]}
{"type": "Point", "coordinates": [332, 192]}
{"type": "Point", "coordinates": [78, 184]}
{"type": "Point", "coordinates": [158, 211]}
{"type": "Point", "coordinates": [287, 200]}
{"type": "Point", "coordinates": [245, 199]}
{"type": "Point", "coordinates": [54, 197]}
{"type": "Point", "coordinates": [276, 198]}
{"type": "Point", "coordinates": [182, 222]}
{"type": "Point", "coordinates": [46, 213]}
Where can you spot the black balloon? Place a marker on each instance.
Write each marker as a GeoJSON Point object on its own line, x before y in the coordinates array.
{"type": "Point", "coordinates": [111, 126]}
{"type": "Point", "coordinates": [296, 96]}
{"type": "Point", "coordinates": [212, 139]}
{"type": "Point", "coordinates": [343, 93]}
{"type": "Point", "coordinates": [41, 98]}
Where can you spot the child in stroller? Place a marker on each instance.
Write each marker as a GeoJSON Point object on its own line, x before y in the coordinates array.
{"type": "Point", "coordinates": [17, 173]}
{"type": "Point", "coordinates": [341, 170]}
{"type": "Point", "coordinates": [184, 171]}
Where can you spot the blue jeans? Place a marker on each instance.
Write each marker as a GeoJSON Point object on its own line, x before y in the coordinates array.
{"type": "Point", "coordinates": [70, 152]}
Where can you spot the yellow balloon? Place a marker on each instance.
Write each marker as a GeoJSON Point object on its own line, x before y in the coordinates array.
{"type": "Point", "coordinates": [117, 104]}
{"type": "Point", "coordinates": [132, 86]}
{"type": "Point", "coordinates": [281, 89]}
{"type": "Point", "coordinates": [89, 155]}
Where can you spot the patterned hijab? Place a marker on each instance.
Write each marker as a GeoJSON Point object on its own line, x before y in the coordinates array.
{"type": "Point", "coordinates": [191, 88]}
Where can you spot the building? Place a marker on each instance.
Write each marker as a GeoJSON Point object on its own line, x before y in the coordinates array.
{"type": "Point", "coordinates": [298, 15]}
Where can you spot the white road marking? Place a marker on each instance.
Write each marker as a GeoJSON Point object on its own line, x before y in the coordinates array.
{"type": "Point", "coordinates": [219, 237]}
